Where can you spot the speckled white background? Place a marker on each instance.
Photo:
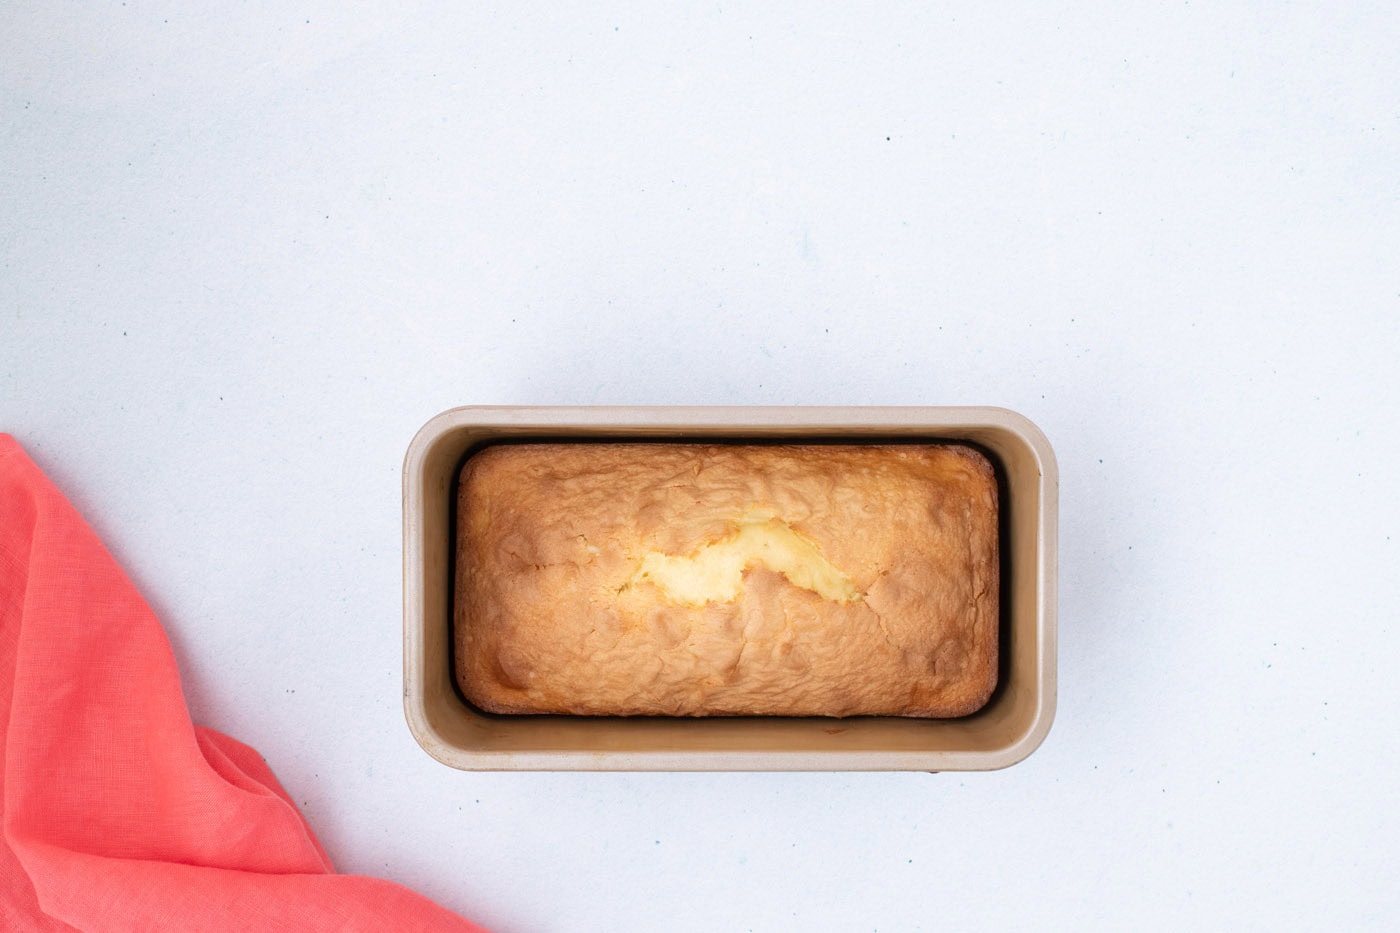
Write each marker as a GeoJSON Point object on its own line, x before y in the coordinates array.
{"type": "Point", "coordinates": [245, 255]}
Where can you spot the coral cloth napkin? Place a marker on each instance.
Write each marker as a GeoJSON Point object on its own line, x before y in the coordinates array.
{"type": "Point", "coordinates": [119, 813]}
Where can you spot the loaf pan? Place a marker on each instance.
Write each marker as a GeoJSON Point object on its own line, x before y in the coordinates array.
{"type": "Point", "coordinates": [1004, 732]}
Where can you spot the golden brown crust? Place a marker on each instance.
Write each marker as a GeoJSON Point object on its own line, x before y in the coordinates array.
{"type": "Point", "coordinates": [555, 614]}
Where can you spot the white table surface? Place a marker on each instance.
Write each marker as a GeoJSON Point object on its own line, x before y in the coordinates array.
{"type": "Point", "coordinates": [245, 255]}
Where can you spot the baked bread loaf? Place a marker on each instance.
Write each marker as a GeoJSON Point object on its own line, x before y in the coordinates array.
{"type": "Point", "coordinates": [724, 579]}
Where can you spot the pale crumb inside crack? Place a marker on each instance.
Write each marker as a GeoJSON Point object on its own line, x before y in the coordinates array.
{"type": "Point", "coordinates": [714, 572]}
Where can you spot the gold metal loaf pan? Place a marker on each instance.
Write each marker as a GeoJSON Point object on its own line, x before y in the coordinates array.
{"type": "Point", "coordinates": [1005, 731]}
